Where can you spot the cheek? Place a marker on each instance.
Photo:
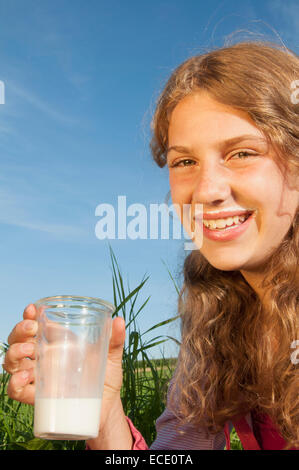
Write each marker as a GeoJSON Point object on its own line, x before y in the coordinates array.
{"type": "Point", "coordinates": [181, 196]}
{"type": "Point", "coordinates": [275, 203]}
{"type": "Point", "coordinates": [181, 192]}
{"type": "Point", "coordinates": [256, 178]}
{"type": "Point", "coordinates": [261, 189]}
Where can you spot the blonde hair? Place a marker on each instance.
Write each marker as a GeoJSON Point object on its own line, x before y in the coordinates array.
{"type": "Point", "coordinates": [226, 366]}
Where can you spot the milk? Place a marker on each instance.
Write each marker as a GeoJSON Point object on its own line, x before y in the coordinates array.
{"type": "Point", "coordinates": [67, 418]}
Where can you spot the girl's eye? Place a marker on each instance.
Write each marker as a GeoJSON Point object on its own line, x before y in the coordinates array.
{"type": "Point", "coordinates": [188, 162]}
{"type": "Point", "coordinates": [243, 155]}
{"type": "Point", "coordinates": [184, 163]}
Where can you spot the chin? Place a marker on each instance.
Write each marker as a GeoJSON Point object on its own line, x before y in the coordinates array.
{"type": "Point", "coordinates": [226, 266]}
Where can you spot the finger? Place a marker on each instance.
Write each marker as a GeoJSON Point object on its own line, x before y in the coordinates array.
{"type": "Point", "coordinates": [30, 312]}
{"type": "Point", "coordinates": [15, 356]}
{"type": "Point", "coordinates": [23, 331]}
{"type": "Point", "coordinates": [54, 333]}
{"type": "Point", "coordinates": [117, 340]}
{"type": "Point", "coordinates": [118, 333]}
{"type": "Point", "coordinates": [21, 386]}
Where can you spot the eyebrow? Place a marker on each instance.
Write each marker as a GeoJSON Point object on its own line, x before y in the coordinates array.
{"type": "Point", "coordinates": [222, 144]}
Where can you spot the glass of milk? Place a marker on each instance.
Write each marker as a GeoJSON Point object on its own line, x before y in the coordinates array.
{"type": "Point", "coordinates": [72, 348]}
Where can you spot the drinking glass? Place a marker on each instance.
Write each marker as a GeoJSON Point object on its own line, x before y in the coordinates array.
{"type": "Point", "coordinates": [72, 348]}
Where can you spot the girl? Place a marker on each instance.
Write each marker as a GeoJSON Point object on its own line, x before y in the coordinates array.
{"type": "Point", "coordinates": [226, 125]}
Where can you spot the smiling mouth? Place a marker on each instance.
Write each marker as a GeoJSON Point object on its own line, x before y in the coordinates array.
{"type": "Point", "coordinates": [228, 223]}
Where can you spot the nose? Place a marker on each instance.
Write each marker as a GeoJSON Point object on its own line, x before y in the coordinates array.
{"type": "Point", "coordinates": [212, 185]}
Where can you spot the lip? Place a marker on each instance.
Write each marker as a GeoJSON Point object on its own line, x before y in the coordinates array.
{"type": "Point", "coordinates": [229, 233]}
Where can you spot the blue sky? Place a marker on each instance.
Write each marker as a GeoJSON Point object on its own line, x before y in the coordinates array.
{"type": "Point", "coordinates": [81, 79]}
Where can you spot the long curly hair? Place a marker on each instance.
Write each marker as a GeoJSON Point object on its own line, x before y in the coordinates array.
{"type": "Point", "coordinates": [227, 365]}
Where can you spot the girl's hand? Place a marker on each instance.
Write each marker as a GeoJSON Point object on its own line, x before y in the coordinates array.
{"type": "Point", "coordinates": [22, 344]}
{"type": "Point", "coordinates": [114, 430]}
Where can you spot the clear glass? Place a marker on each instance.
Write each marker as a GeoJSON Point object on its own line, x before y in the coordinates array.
{"type": "Point", "coordinates": [72, 348]}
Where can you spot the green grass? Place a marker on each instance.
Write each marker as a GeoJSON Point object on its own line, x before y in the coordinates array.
{"type": "Point", "coordinates": [145, 380]}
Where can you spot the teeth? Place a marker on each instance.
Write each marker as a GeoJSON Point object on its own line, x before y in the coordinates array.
{"type": "Point", "coordinates": [222, 223]}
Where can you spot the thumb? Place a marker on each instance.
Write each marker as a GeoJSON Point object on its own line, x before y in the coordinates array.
{"type": "Point", "coordinates": [117, 341]}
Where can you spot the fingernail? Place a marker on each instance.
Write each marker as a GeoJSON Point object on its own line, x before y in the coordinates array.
{"type": "Point", "coordinates": [29, 325]}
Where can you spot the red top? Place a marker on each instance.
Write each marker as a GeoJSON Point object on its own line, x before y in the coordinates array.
{"type": "Point", "coordinates": [264, 436]}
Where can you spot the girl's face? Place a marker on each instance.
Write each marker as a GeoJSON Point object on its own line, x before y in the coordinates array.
{"type": "Point", "coordinates": [217, 157]}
